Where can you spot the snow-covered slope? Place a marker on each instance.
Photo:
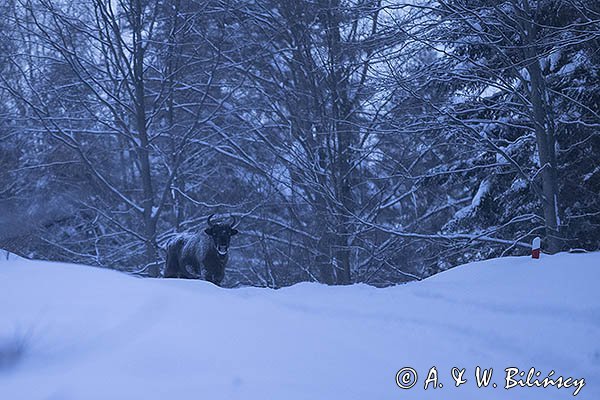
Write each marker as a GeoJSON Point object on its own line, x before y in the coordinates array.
{"type": "Point", "coordinates": [73, 332]}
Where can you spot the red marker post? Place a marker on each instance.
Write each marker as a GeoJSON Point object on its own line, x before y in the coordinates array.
{"type": "Point", "coordinates": [535, 247]}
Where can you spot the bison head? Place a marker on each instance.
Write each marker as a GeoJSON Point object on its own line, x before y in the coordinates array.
{"type": "Point", "coordinates": [221, 233]}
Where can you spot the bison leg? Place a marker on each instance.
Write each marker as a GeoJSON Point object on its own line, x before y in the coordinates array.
{"type": "Point", "coordinates": [211, 278]}
{"type": "Point", "coordinates": [219, 278]}
{"type": "Point", "coordinates": [215, 277]}
{"type": "Point", "coordinates": [171, 265]}
{"type": "Point", "coordinates": [188, 270]}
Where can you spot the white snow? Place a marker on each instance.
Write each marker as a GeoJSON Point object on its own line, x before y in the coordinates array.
{"type": "Point", "coordinates": [5, 255]}
{"type": "Point", "coordinates": [484, 188]}
{"type": "Point", "coordinates": [88, 333]}
{"type": "Point", "coordinates": [554, 58]}
{"type": "Point", "coordinates": [589, 175]}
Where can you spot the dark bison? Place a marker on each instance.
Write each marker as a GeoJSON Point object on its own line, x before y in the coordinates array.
{"type": "Point", "coordinates": [188, 252]}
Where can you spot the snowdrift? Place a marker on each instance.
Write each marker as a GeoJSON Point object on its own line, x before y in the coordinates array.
{"type": "Point", "coordinates": [74, 332]}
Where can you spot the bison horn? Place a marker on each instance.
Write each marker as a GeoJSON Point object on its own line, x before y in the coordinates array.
{"type": "Point", "coordinates": [234, 221]}
{"type": "Point", "coordinates": [209, 221]}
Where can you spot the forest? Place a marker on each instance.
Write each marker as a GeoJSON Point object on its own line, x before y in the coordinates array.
{"type": "Point", "coordinates": [355, 141]}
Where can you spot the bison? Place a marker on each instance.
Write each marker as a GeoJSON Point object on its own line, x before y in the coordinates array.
{"type": "Point", "coordinates": [187, 253]}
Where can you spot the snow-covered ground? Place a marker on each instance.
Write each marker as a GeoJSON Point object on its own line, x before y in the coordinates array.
{"type": "Point", "coordinates": [73, 332]}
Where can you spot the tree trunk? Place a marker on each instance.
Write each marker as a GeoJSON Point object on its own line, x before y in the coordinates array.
{"type": "Point", "coordinates": [545, 140]}
{"type": "Point", "coordinates": [342, 132]}
{"type": "Point", "coordinates": [143, 150]}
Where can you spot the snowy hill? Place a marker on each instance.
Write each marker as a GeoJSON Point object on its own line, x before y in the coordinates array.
{"type": "Point", "coordinates": [72, 332]}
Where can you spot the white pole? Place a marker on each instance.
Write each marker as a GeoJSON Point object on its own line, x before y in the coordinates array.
{"type": "Point", "coordinates": [536, 247]}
